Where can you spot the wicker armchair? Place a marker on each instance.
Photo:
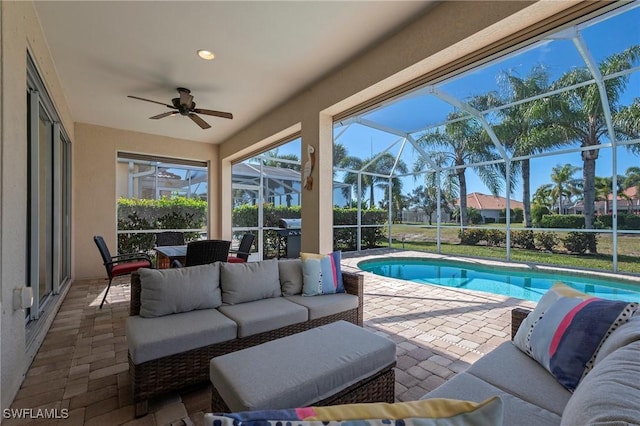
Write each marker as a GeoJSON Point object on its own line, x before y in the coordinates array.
{"type": "Point", "coordinates": [205, 251]}
{"type": "Point", "coordinates": [244, 249]}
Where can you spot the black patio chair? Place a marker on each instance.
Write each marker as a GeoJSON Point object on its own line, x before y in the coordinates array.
{"type": "Point", "coordinates": [244, 249]}
{"type": "Point", "coordinates": [123, 264]}
{"type": "Point", "coordinates": [170, 238]}
{"type": "Point", "coordinates": [203, 252]}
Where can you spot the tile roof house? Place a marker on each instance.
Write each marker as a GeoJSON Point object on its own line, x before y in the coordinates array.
{"type": "Point", "coordinates": [490, 206]}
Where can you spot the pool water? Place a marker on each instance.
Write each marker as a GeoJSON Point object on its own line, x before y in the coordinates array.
{"type": "Point", "coordinates": [505, 281]}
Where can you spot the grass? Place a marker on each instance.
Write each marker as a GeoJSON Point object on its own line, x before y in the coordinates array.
{"type": "Point", "coordinates": [424, 239]}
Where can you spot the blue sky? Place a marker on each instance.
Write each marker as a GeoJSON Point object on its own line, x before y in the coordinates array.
{"type": "Point", "coordinates": [603, 37]}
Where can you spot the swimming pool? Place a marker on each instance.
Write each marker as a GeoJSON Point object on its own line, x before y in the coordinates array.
{"type": "Point", "coordinates": [529, 285]}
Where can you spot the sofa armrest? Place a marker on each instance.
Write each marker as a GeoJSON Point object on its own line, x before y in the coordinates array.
{"type": "Point", "coordinates": [134, 303]}
{"type": "Point", "coordinates": [517, 316]}
{"type": "Point", "coordinates": [354, 284]}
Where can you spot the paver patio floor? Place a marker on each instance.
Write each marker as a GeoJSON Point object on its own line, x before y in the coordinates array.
{"type": "Point", "coordinates": [82, 365]}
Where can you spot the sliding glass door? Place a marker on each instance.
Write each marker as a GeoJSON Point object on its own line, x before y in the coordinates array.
{"type": "Point", "coordinates": [48, 261]}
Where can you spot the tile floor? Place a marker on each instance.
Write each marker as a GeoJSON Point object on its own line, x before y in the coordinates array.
{"type": "Point", "coordinates": [82, 365]}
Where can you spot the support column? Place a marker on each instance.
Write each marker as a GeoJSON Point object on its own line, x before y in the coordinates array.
{"type": "Point", "coordinates": [317, 203]}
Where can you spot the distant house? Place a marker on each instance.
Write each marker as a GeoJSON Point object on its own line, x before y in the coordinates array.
{"type": "Point", "coordinates": [630, 203]}
{"type": "Point", "coordinates": [490, 206]}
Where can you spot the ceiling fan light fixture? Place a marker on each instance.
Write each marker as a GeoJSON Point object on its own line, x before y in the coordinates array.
{"type": "Point", "coordinates": [207, 55]}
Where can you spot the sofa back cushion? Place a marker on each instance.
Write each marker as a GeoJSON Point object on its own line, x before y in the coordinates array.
{"type": "Point", "coordinates": [246, 282]}
{"type": "Point", "coordinates": [567, 328]}
{"type": "Point", "coordinates": [610, 394]}
{"type": "Point", "coordinates": [290, 276]}
{"type": "Point", "coordinates": [171, 291]}
{"type": "Point", "coordinates": [625, 334]}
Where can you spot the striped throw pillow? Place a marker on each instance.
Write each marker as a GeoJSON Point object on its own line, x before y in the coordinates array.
{"type": "Point", "coordinates": [566, 329]}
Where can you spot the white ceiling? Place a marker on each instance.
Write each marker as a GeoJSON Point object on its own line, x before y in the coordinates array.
{"type": "Point", "coordinates": [266, 51]}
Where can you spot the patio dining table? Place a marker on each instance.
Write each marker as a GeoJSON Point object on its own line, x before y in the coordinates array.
{"type": "Point", "coordinates": [167, 254]}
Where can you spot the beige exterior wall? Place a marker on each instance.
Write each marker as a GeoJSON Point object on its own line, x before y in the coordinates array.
{"type": "Point", "coordinates": [95, 152]}
{"type": "Point", "coordinates": [447, 32]}
{"type": "Point", "coordinates": [20, 32]}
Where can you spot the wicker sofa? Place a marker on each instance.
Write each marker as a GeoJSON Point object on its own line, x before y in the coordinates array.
{"type": "Point", "coordinates": [608, 395]}
{"type": "Point", "coordinates": [171, 351]}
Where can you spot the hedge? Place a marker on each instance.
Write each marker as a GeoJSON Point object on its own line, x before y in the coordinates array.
{"type": "Point", "coordinates": [572, 221]}
{"type": "Point", "coordinates": [343, 238]}
{"type": "Point", "coordinates": [625, 221]}
{"type": "Point", "coordinates": [165, 213]}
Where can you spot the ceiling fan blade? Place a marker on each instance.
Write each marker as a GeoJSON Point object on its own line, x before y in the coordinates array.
{"type": "Point", "coordinates": [199, 121]}
{"type": "Point", "coordinates": [163, 115]}
{"type": "Point", "coordinates": [214, 113]}
{"type": "Point", "coordinates": [149, 100]}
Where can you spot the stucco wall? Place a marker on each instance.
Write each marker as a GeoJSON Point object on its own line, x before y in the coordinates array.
{"type": "Point", "coordinates": [95, 151]}
{"type": "Point", "coordinates": [20, 33]}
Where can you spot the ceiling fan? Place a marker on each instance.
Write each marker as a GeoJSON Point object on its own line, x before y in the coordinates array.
{"type": "Point", "coordinates": [184, 105]}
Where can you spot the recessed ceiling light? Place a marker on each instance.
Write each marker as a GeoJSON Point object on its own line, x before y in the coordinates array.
{"type": "Point", "coordinates": [206, 54]}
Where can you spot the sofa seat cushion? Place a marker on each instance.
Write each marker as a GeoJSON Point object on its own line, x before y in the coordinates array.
{"type": "Point", "coordinates": [301, 369]}
{"type": "Point", "coordinates": [516, 411]}
{"type": "Point", "coordinates": [328, 304]}
{"type": "Point", "coordinates": [610, 393]}
{"type": "Point", "coordinates": [153, 338]}
{"type": "Point", "coordinates": [264, 315]}
{"type": "Point", "coordinates": [512, 371]}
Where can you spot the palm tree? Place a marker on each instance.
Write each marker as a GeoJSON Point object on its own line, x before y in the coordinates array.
{"type": "Point", "coordinates": [464, 142]}
{"type": "Point", "coordinates": [562, 177]}
{"type": "Point", "coordinates": [523, 130]}
{"type": "Point", "coordinates": [604, 188]}
{"type": "Point", "coordinates": [426, 197]}
{"type": "Point", "coordinates": [382, 164]}
{"type": "Point", "coordinates": [632, 177]}
{"type": "Point", "coordinates": [580, 113]}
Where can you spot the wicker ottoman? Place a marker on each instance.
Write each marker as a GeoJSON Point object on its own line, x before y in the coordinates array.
{"type": "Point", "coordinates": [338, 363]}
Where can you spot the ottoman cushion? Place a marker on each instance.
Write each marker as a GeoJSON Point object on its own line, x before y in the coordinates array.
{"type": "Point", "coordinates": [301, 369]}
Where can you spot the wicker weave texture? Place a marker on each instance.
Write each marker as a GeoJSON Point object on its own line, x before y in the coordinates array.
{"type": "Point", "coordinates": [376, 388]}
{"type": "Point", "coordinates": [517, 316]}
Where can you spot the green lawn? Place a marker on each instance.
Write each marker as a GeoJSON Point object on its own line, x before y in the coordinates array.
{"type": "Point", "coordinates": [419, 237]}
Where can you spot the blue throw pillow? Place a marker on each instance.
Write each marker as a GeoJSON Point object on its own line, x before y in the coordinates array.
{"type": "Point", "coordinates": [566, 330]}
{"type": "Point", "coordinates": [321, 274]}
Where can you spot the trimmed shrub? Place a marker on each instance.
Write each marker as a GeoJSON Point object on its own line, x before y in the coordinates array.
{"type": "Point", "coordinates": [545, 240]}
{"type": "Point", "coordinates": [523, 239]}
{"type": "Point", "coordinates": [632, 221]}
{"type": "Point", "coordinates": [165, 213]}
{"type": "Point", "coordinates": [580, 242]}
{"type": "Point", "coordinates": [495, 237]}
{"type": "Point", "coordinates": [575, 221]}
{"type": "Point", "coordinates": [537, 212]}
{"type": "Point", "coordinates": [472, 237]}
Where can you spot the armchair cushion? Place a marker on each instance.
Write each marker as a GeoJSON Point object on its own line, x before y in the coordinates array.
{"type": "Point", "coordinates": [171, 291]}
{"type": "Point", "coordinates": [246, 282]}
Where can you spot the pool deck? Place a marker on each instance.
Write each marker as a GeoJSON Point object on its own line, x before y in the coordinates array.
{"type": "Point", "coordinates": [82, 363]}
